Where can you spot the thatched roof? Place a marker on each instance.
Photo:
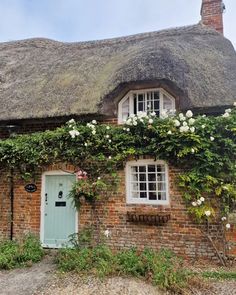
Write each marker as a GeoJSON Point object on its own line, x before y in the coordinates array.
{"type": "Point", "coordinates": [42, 78]}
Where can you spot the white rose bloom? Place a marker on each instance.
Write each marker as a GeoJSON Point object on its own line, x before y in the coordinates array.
{"type": "Point", "coordinates": [109, 157]}
{"type": "Point", "coordinates": [141, 120]}
{"type": "Point", "coordinates": [93, 132]}
{"type": "Point", "coordinates": [128, 129]}
{"type": "Point", "coordinates": [192, 129]}
{"type": "Point", "coordinates": [184, 129]}
{"type": "Point", "coordinates": [128, 122]}
{"type": "Point", "coordinates": [212, 138]}
{"type": "Point", "coordinates": [189, 114]}
{"type": "Point", "coordinates": [124, 129]}
{"type": "Point", "coordinates": [74, 133]}
{"type": "Point", "coordinates": [85, 144]}
{"type": "Point", "coordinates": [208, 213]}
{"type": "Point", "coordinates": [194, 204]}
{"type": "Point", "coordinates": [204, 116]}
{"type": "Point", "coordinates": [107, 136]}
{"type": "Point", "coordinates": [202, 199]}
{"type": "Point", "coordinates": [226, 115]}
{"type": "Point", "coordinates": [191, 121]}
{"type": "Point", "coordinates": [108, 127]}
{"type": "Point", "coordinates": [185, 124]}
{"type": "Point", "coordinates": [169, 132]}
{"type": "Point", "coordinates": [72, 121]}
{"type": "Point", "coordinates": [203, 126]}
{"type": "Point", "coordinates": [227, 225]}
{"type": "Point", "coordinates": [94, 122]}
{"type": "Point", "coordinates": [177, 123]}
{"type": "Point", "coordinates": [223, 218]}
{"type": "Point", "coordinates": [228, 111]}
{"type": "Point", "coordinates": [164, 114]}
{"type": "Point", "coordinates": [193, 151]}
{"type": "Point", "coordinates": [135, 123]}
{"type": "Point", "coordinates": [132, 116]}
{"type": "Point", "coordinates": [99, 177]}
{"type": "Point", "coordinates": [235, 104]}
{"type": "Point", "coordinates": [109, 140]}
{"type": "Point", "coordinates": [153, 114]}
{"type": "Point", "coordinates": [199, 202]}
{"type": "Point", "coordinates": [150, 121]}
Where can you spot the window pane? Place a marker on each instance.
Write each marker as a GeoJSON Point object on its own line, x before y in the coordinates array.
{"type": "Point", "coordinates": [161, 186]}
{"type": "Point", "coordinates": [142, 168]}
{"type": "Point", "coordinates": [151, 168]}
{"type": "Point", "coordinates": [152, 186]}
{"type": "Point", "coordinates": [134, 169]}
{"type": "Point", "coordinates": [143, 186]}
{"type": "Point", "coordinates": [135, 195]}
{"type": "Point", "coordinates": [151, 177]}
{"type": "Point", "coordinates": [142, 177]}
{"type": "Point", "coordinates": [135, 187]}
{"type": "Point", "coordinates": [134, 177]}
{"type": "Point", "coordinates": [143, 195]}
{"type": "Point", "coordinates": [152, 196]}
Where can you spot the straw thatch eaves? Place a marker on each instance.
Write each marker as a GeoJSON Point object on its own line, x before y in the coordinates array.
{"type": "Point", "coordinates": [42, 78]}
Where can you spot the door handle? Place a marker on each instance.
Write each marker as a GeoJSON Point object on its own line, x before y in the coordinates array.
{"type": "Point", "coordinates": [60, 194]}
{"type": "Point", "coordinates": [46, 197]}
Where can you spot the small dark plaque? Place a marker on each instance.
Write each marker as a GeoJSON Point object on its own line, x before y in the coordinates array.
{"type": "Point", "coordinates": [60, 204]}
{"type": "Point", "coordinates": [30, 188]}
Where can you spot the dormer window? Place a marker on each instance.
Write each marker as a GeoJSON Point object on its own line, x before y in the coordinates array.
{"type": "Point", "coordinates": [148, 100]}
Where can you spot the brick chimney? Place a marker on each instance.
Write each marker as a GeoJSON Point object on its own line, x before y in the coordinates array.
{"type": "Point", "coordinates": [212, 14]}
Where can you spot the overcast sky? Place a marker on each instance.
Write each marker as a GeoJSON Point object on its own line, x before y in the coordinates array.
{"type": "Point", "coordinates": [79, 20]}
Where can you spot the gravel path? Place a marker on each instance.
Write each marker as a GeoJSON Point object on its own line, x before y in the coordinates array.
{"type": "Point", "coordinates": [25, 281]}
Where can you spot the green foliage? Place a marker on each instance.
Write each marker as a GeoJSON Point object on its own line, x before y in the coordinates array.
{"type": "Point", "coordinates": [220, 275]}
{"type": "Point", "coordinates": [163, 267]}
{"type": "Point", "coordinates": [14, 254]}
{"type": "Point", "coordinates": [205, 147]}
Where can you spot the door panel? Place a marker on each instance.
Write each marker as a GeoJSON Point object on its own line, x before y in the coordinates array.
{"type": "Point", "coordinates": [59, 212]}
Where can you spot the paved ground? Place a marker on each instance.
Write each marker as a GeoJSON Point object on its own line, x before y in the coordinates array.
{"type": "Point", "coordinates": [42, 279]}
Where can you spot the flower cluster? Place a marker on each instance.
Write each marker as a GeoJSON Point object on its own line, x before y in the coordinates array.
{"type": "Point", "coordinates": [73, 132]}
{"type": "Point", "coordinates": [198, 202]}
{"type": "Point", "coordinates": [92, 126]}
{"type": "Point", "coordinates": [142, 117]}
{"type": "Point", "coordinates": [185, 122]}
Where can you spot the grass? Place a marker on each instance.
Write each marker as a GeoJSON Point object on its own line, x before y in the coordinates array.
{"type": "Point", "coordinates": [16, 254]}
{"type": "Point", "coordinates": [219, 275]}
{"type": "Point", "coordinates": [162, 268]}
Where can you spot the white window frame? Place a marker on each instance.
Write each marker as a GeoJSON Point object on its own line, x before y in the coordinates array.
{"type": "Point", "coordinates": [129, 198]}
{"type": "Point", "coordinates": [141, 91]}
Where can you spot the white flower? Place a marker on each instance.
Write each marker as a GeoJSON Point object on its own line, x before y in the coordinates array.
{"type": "Point", "coordinates": [141, 120]}
{"type": "Point", "coordinates": [212, 138]}
{"type": "Point", "coordinates": [192, 129]}
{"type": "Point", "coordinates": [150, 121]}
{"type": "Point", "coordinates": [189, 114]}
{"type": "Point", "coordinates": [192, 151]}
{"type": "Point", "coordinates": [153, 114]}
{"type": "Point", "coordinates": [203, 126]}
{"type": "Point", "coordinates": [208, 213]}
{"type": "Point", "coordinates": [234, 104]}
{"type": "Point", "coordinates": [191, 121]}
{"type": "Point", "coordinates": [107, 136]}
{"type": "Point", "coordinates": [94, 132]}
{"type": "Point", "coordinates": [228, 111]}
{"type": "Point", "coordinates": [223, 218]}
{"type": "Point", "coordinates": [74, 133]}
{"type": "Point", "coordinates": [99, 177]}
{"type": "Point", "coordinates": [109, 140]}
{"type": "Point", "coordinates": [185, 124]}
{"type": "Point", "coordinates": [199, 202]}
{"type": "Point", "coordinates": [132, 116]}
{"type": "Point", "coordinates": [107, 233]}
{"type": "Point", "coordinates": [85, 144]}
{"type": "Point", "coordinates": [204, 116]}
{"type": "Point", "coordinates": [109, 157]}
{"type": "Point", "coordinates": [94, 122]}
{"type": "Point", "coordinates": [226, 115]}
{"type": "Point", "coordinates": [127, 129]}
{"type": "Point", "coordinates": [164, 114]}
{"type": "Point", "coordinates": [182, 117]}
{"type": "Point", "coordinates": [141, 114]}
{"type": "Point", "coordinates": [124, 129]}
{"type": "Point", "coordinates": [202, 199]}
{"type": "Point", "coordinates": [194, 204]}
{"type": "Point", "coordinates": [169, 132]}
{"type": "Point", "coordinates": [135, 123]}
{"type": "Point", "coordinates": [184, 129]}
{"type": "Point", "coordinates": [177, 123]}
{"type": "Point", "coordinates": [108, 127]}
{"type": "Point", "coordinates": [227, 226]}
{"type": "Point", "coordinates": [72, 121]}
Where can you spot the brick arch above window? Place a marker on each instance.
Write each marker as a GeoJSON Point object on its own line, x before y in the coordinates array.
{"type": "Point", "coordinates": [155, 100]}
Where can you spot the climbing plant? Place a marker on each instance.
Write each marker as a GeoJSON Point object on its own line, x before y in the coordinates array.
{"type": "Point", "coordinates": [204, 147]}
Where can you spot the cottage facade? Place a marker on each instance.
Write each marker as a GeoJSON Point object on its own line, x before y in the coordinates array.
{"type": "Point", "coordinates": [44, 83]}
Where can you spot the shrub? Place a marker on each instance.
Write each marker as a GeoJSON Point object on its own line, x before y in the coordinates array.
{"type": "Point", "coordinates": [163, 267]}
{"type": "Point", "coordinates": [14, 254]}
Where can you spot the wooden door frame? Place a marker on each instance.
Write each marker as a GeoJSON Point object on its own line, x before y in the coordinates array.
{"type": "Point", "coordinates": [43, 187]}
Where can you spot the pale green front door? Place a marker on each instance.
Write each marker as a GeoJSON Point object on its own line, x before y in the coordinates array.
{"type": "Point", "coordinates": [59, 213]}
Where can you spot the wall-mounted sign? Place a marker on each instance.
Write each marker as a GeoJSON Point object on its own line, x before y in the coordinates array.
{"type": "Point", "coordinates": [30, 188]}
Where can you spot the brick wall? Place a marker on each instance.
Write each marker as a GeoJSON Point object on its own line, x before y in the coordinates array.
{"type": "Point", "coordinates": [212, 14]}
